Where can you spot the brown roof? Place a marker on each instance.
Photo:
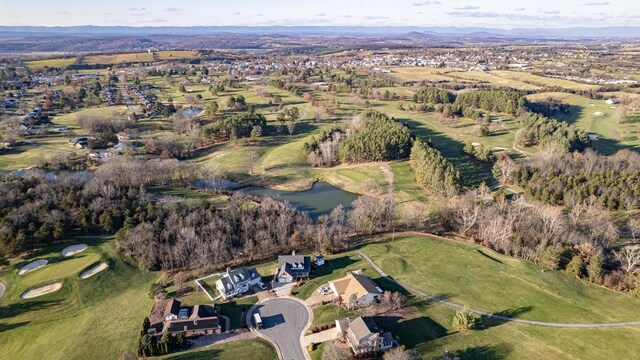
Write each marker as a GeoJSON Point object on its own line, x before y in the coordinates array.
{"type": "Point", "coordinates": [357, 284]}
{"type": "Point", "coordinates": [362, 328]}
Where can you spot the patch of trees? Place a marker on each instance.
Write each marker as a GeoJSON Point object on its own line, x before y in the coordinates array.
{"type": "Point", "coordinates": [376, 137]}
{"type": "Point", "coordinates": [510, 102]}
{"type": "Point", "coordinates": [614, 181]}
{"type": "Point", "coordinates": [233, 127]}
{"type": "Point", "coordinates": [165, 147]}
{"type": "Point", "coordinates": [236, 102]}
{"type": "Point", "coordinates": [149, 345]}
{"type": "Point", "coordinates": [478, 151]}
{"type": "Point", "coordinates": [36, 211]}
{"type": "Point", "coordinates": [433, 171]}
{"type": "Point", "coordinates": [548, 107]}
{"type": "Point", "coordinates": [323, 152]}
{"type": "Point", "coordinates": [433, 96]}
{"type": "Point", "coordinates": [537, 130]}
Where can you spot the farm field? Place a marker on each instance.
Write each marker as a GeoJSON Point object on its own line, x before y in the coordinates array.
{"type": "Point", "coordinates": [542, 80]}
{"type": "Point", "coordinates": [103, 312]}
{"type": "Point", "coordinates": [492, 79]}
{"type": "Point", "coordinates": [55, 62]}
{"type": "Point", "coordinates": [416, 73]}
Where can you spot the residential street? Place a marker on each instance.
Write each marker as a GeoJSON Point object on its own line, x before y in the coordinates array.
{"type": "Point", "coordinates": [283, 321]}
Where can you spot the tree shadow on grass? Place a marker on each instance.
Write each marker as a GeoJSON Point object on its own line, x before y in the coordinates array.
{"type": "Point", "coordinates": [414, 331]}
{"type": "Point", "coordinates": [7, 327]}
{"type": "Point", "coordinates": [501, 317]}
{"type": "Point", "coordinates": [484, 352]}
{"type": "Point", "coordinates": [16, 309]}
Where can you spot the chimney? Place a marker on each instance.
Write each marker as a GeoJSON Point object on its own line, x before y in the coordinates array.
{"type": "Point", "coordinates": [293, 253]}
{"type": "Point", "coordinates": [228, 270]}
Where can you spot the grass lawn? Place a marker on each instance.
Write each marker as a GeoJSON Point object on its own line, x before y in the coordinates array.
{"type": "Point", "coordinates": [257, 349]}
{"type": "Point", "coordinates": [335, 267]}
{"type": "Point", "coordinates": [94, 318]}
{"type": "Point", "coordinates": [483, 279]}
{"type": "Point", "coordinates": [190, 196]}
{"type": "Point", "coordinates": [328, 314]}
{"type": "Point", "coordinates": [234, 309]}
{"type": "Point", "coordinates": [317, 353]}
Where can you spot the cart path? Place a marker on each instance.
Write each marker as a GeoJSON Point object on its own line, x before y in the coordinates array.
{"type": "Point", "coordinates": [494, 316]}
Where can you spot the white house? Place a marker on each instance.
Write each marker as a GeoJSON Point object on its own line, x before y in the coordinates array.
{"type": "Point", "coordinates": [355, 289]}
{"type": "Point", "coordinates": [237, 282]}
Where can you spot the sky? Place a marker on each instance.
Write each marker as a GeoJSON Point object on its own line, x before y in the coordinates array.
{"type": "Point", "coordinates": [462, 13]}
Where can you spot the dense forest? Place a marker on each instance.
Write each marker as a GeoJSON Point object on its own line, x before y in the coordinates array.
{"type": "Point", "coordinates": [233, 127]}
{"type": "Point", "coordinates": [537, 129]}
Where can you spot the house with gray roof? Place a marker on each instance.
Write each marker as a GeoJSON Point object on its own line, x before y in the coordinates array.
{"type": "Point", "coordinates": [364, 336]}
{"type": "Point", "coordinates": [237, 282]}
{"type": "Point", "coordinates": [292, 268]}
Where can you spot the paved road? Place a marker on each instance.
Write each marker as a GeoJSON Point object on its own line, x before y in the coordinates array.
{"type": "Point", "coordinates": [498, 317]}
{"type": "Point", "coordinates": [2, 288]}
{"type": "Point", "coordinates": [283, 320]}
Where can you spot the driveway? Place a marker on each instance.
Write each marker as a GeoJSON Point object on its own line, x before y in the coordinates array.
{"type": "Point", "coordinates": [283, 321]}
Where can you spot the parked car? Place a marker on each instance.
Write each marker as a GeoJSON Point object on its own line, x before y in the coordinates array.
{"type": "Point", "coordinates": [262, 286]}
{"type": "Point", "coordinates": [324, 290]}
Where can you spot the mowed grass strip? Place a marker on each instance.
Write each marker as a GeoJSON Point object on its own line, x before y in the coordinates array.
{"type": "Point", "coordinates": [257, 349]}
{"type": "Point", "coordinates": [483, 279]}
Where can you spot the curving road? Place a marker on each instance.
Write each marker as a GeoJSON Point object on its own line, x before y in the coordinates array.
{"type": "Point", "coordinates": [283, 321]}
{"type": "Point", "coordinates": [494, 316]}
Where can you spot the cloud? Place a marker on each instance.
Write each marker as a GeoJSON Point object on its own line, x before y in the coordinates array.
{"type": "Point", "coordinates": [173, 9]}
{"type": "Point", "coordinates": [345, 16]}
{"type": "Point", "coordinates": [369, 17]}
{"type": "Point", "coordinates": [551, 12]}
{"type": "Point", "coordinates": [139, 8]}
{"type": "Point", "coordinates": [258, 14]}
{"type": "Point", "coordinates": [425, 3]}
{"type": "Point", "coordinates": [602, 3]}
{"type": "Point", "coordinates": [63, 12]}
{"type": "Point", "coordinates": [236, 13]}
{"type": "Point", "coordinates": [519, 9]}
{"type": "Point", "coordinates": [467, 7]}
{"type": "Point", "coordinates": [320, 14]}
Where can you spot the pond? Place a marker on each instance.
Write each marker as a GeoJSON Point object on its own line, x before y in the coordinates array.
{"type": "Point", "coordinates": [319, 200]}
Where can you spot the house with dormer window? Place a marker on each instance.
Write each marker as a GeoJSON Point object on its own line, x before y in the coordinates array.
{"type": "Point", "coordinates": [292, 268]}
{"type": "Point", "coordinates": [237, 282]}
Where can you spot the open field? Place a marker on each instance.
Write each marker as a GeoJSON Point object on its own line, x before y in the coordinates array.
{"type": "Point", "coordinates": [464, 273]}
{"type": "Point", "coordinates": [542, 80]}
{"type": "Point", "coordinates": [56, 62]}
{"type": "Point", "coordinates": [416, 73]}
{"type": "Point", "coordinates": [597, 117]}
{"type": "Point", "coordinates": [118, 58]}
{"type": "Point", "coordinates": [104, 312]}
{"type": "Point", "coordinates": [257, 349]}
{"type": "Point", "coordinates": [483, 279]}
{"type": "Point", "coordinates": [492, 79]}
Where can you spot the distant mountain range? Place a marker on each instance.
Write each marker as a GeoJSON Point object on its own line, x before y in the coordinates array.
{"type": "Point", "coordinates": [393, 31]}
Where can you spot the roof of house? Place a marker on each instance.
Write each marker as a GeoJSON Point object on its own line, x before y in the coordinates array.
{"type": "Point", "coordinates": [355, 284]}
{"type": "Point", "coordinates": [172, 307]}
{"type": "Point", "coordinates": [359, 330]}
{"type": "Point", "coordinates": [234, 277]}
{"type": "Point", "coordinates": [192, 324]}
{"type": "Point", "coordinates": [294, 264]}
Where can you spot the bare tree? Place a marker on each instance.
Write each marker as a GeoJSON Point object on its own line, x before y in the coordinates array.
{"type": "Point", "coordinates": [629, 256]}
{"type": "Point", "coordinates": [399, 353]}
{"type": "Point", "coordinates": [634, 228]}
{"type": "Point", "coordinates": [252, 159]}
{"type": "Point", "coordinates": [291, 127]}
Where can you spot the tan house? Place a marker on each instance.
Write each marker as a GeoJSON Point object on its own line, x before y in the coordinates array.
{"type": "Point", "coordinates": [363, 335]}
{"type": "Point", "coordinates": [355, 289]}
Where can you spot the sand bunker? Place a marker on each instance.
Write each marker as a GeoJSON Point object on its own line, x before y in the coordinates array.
{"type": "Point", "coordinates": [93, 270]}
{"type": "Point", "coordinates": [42, 290]}
{"type": "Point", "coordinates": [73, 249]}
{"type": "Point", "coordinates": [598, 113]}
{"type": "Point", "coordinates": [1, 289]}
{"type": "Point", "coordinates": [32, 266]}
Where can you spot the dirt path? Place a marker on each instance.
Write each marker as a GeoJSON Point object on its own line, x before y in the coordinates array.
{"type": "Point", "coordinates": [491, 315]}
{"type": "Point", "coordinates": [388, 175]}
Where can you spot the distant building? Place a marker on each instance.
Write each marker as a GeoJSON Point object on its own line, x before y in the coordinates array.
{"type": "Point", "coordinates": [237, 282]}
{"type": "Point", "coordinates": [363, 335]}
{"type": "Point", "coordinates": [292, 268]}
